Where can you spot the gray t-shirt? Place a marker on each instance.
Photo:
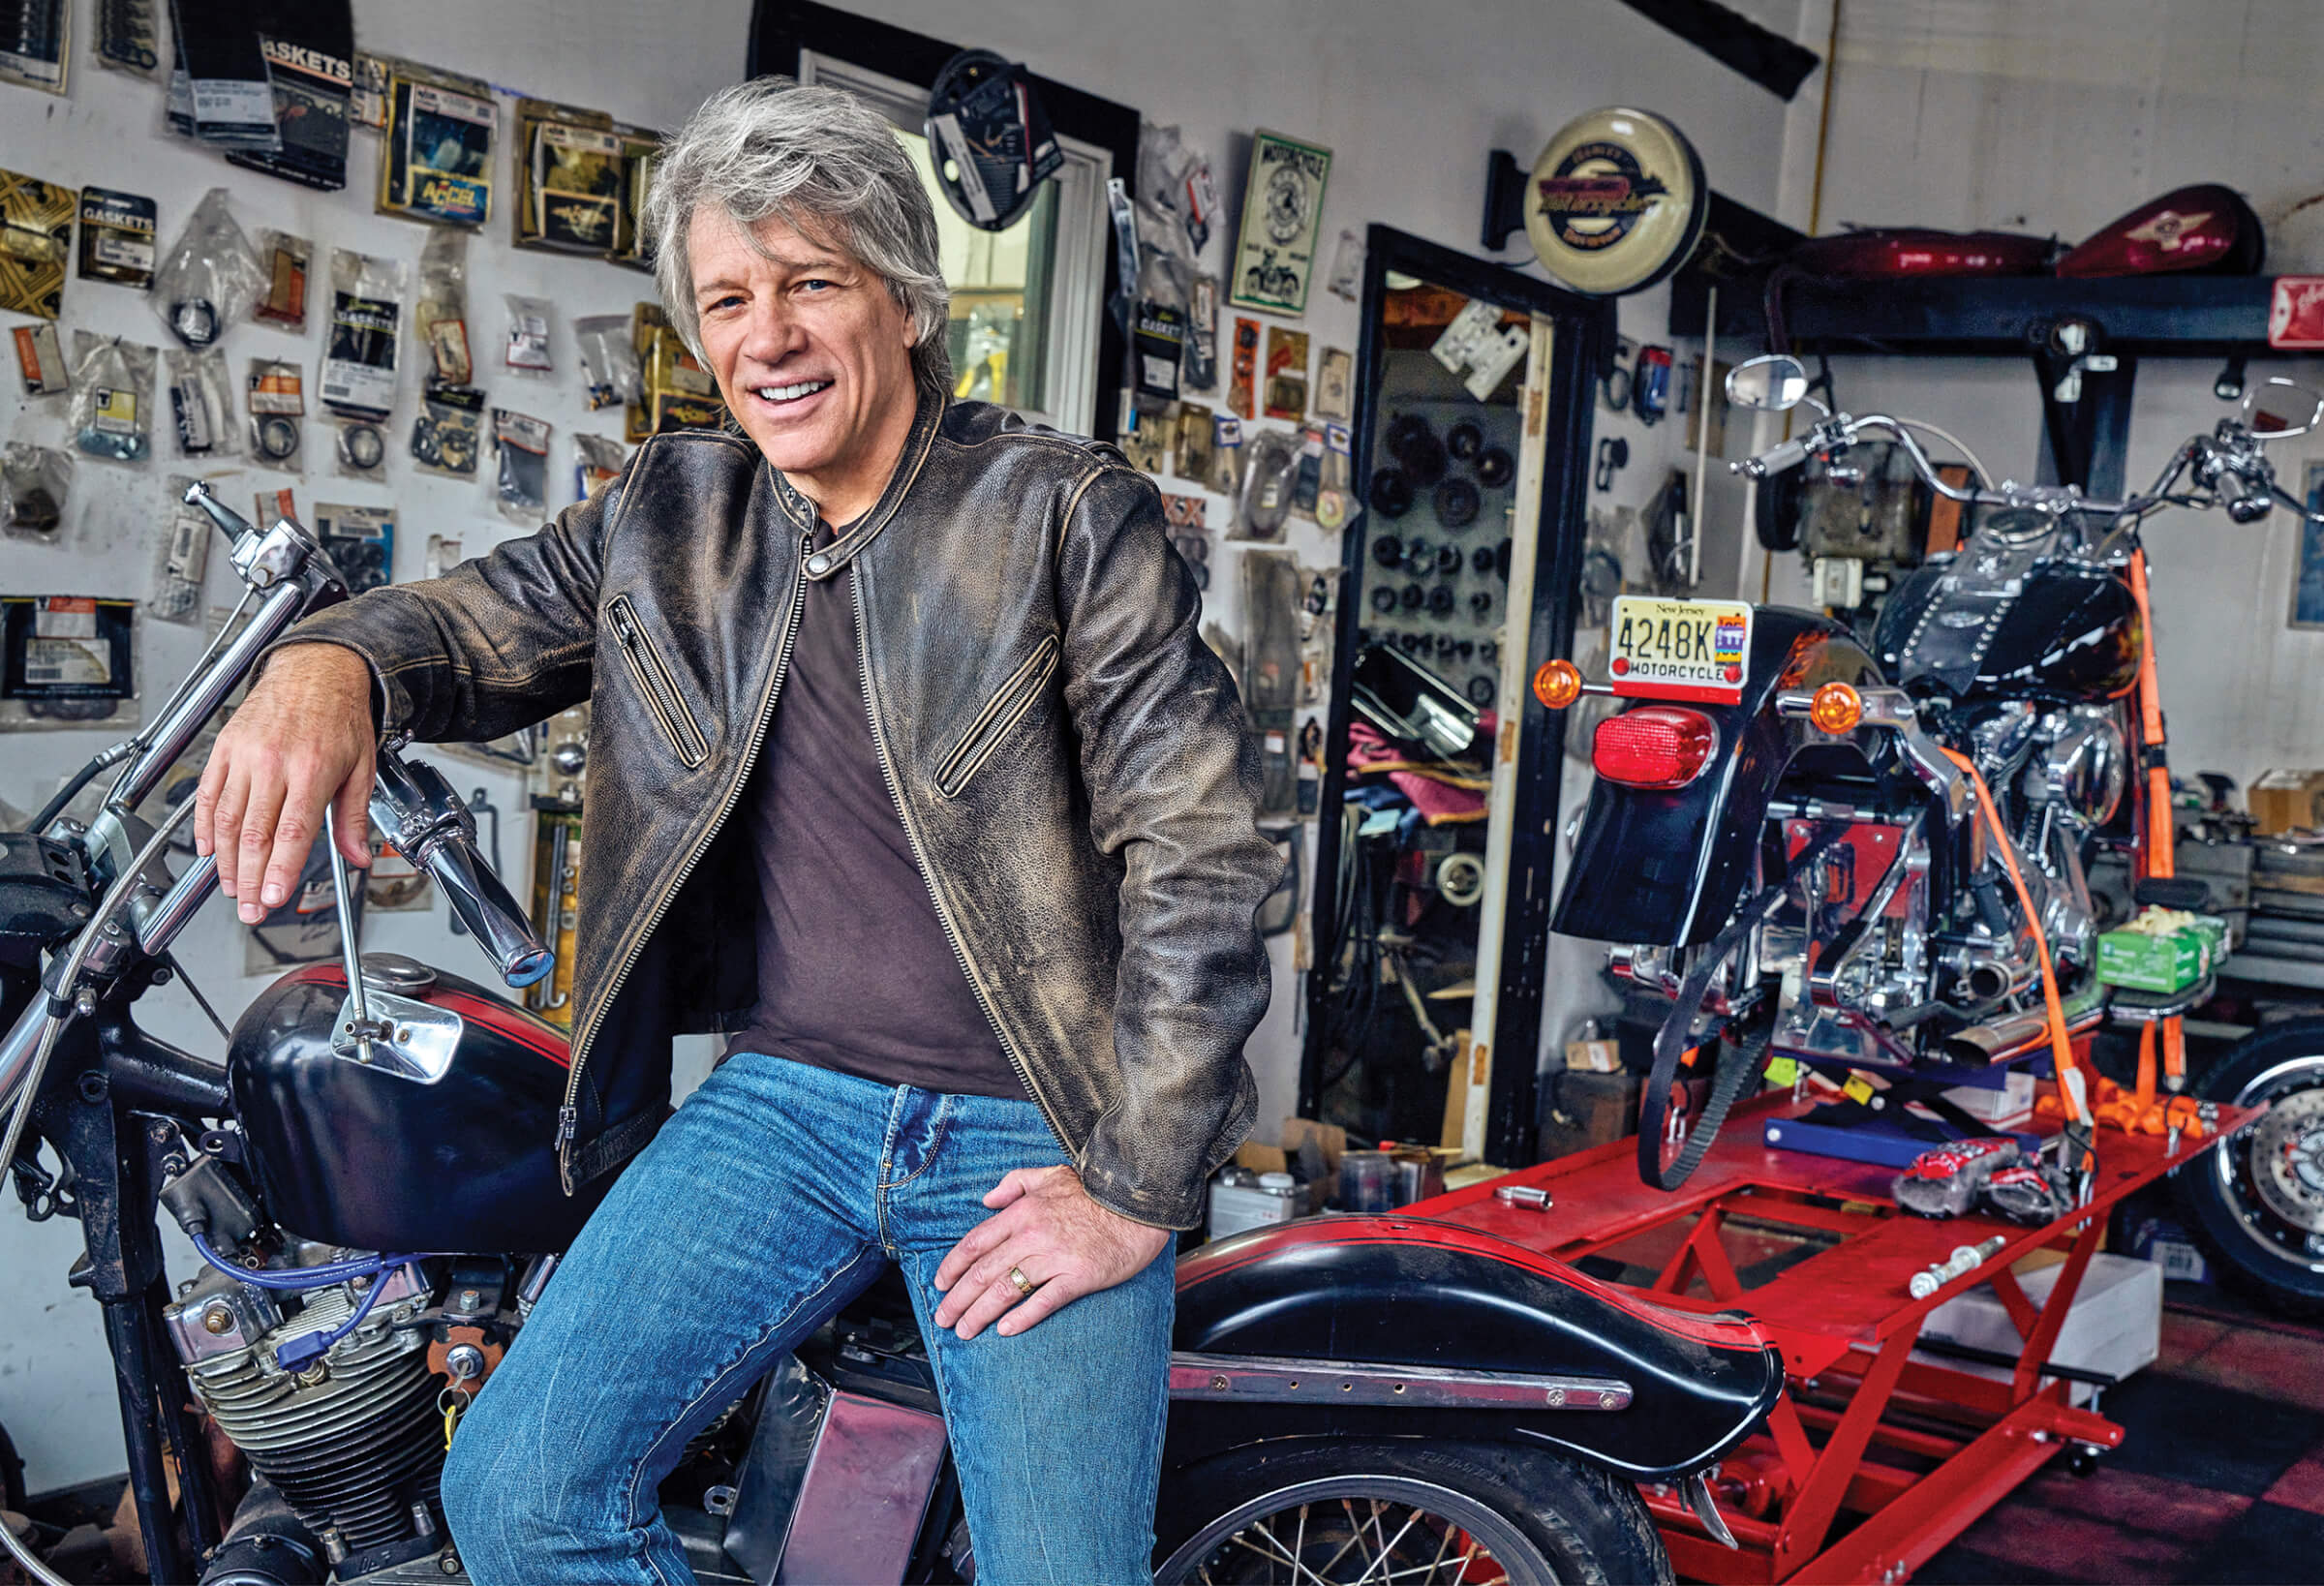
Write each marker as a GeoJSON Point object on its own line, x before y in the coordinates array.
{"type": "Point", "coordinates": [855, 972]}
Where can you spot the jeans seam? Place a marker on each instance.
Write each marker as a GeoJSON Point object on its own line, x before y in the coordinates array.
{"type": "Point", "coordinates": [936, 1143]}
{"type": "Point", "coordinates": [638, 1469]}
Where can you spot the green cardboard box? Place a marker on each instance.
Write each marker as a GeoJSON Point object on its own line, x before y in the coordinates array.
{"type": "Point", "coordinates": [2141, 962]}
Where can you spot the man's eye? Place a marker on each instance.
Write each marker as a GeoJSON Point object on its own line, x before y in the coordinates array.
{"type": "Point", "coordinates": [717, 304]}
{"type": "Point", "coordinates": [817, 283]}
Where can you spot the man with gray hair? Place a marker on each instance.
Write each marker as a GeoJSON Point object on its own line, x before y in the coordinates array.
{"type": "Point", "coordinates": [909, 768]}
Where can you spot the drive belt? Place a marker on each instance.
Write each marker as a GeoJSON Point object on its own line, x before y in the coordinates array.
{"type": "Point", "coordinates": [1736, 1067]}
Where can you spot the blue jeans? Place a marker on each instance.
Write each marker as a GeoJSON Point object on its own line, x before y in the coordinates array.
{"type": "Point", "coordinates": [773, 1197]}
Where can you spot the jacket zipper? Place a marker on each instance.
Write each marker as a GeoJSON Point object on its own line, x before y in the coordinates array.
{"type": "Point", "coordinates": [568, 1116]}
{"type": "Point", "coordinates": [911, 834]}
{"type": "Point", "coordinates": [659, 688]}
{"type": "Point", "coordinates": [999, 716]}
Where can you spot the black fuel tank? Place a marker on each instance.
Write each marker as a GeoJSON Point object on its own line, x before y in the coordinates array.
{"type": "Point", "coordinates": [356, 1156]}
{"type": "Point", "coordinates": [2055, 630]}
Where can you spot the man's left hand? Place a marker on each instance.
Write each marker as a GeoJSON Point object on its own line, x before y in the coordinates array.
{"type": "Point", "coordinates": [1046, 1225]}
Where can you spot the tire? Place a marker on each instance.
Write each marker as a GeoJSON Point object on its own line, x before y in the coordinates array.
{"type": "Point", "coordinates": [2257, 1203]}
{"type": "Point", "coordinates": [1542, 1517]}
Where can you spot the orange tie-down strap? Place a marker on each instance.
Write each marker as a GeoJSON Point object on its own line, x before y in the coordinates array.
{"type": "Point", "coordinates": [2158, 855]}
{"type": "Point", "coordinates": [2108, 1102]}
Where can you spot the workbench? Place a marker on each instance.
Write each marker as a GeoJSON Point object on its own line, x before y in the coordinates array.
{"type": "Point", "coordinates": [1870, 1461]}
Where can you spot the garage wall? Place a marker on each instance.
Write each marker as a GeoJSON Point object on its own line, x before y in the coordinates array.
{"type": "Point", "coordinates": [2057, 119]}
{"type": "Point", "coordinates": [1409, 100]}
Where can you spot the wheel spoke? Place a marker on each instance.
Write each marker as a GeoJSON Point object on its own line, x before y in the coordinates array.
{"type": "Point", "coordinates": [1388, 1549]}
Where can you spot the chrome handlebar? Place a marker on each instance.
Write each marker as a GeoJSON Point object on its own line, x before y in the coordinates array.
{"type": "Point", "coordinates": [430, 826]}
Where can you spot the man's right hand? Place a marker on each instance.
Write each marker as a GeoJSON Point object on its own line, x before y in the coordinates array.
{"type": "Point", "coordinates": [302, 739]}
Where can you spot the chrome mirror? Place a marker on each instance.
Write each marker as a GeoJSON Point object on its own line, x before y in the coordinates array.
{"type": "Point", "coordinates": [1771, 383]}
{"type": "Point", "coordinates": [2279, 408]}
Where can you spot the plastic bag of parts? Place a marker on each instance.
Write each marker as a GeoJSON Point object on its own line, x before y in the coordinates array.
{"type": "Point", "coordinates": [1175, 190]}
{"type": "Point", "coordinates": [211, 278]}
{"type": "Point", "coordinates": [288, 261]}
{"type": "Point", "coordinates": [1269, 477]}
{"type": "Point", "coordinates": [67, 661]}
{"type": "Point", "coordinates": [440, 316]}
{"type": "Point", "coordinates": [201, 405]}
{"type": "Point", "coordinates": [34, 483]}
{"type": "Point", "coordinates": [448, 435]}
{"type": "Point", "coordinates": [525, 351]}
{"type": "Point", "coordinates": [112, 384]}
{"type": "Point", "coordinates": [358, 358]}
{"type": "Point", "coordinates": [520, 445]}
{"type": "Point", "coordinates": [180, 560]}
{"type": "Point", "coordinates": [360, 541]}
{"type": "Point", "coordinates": [597, 463]}
{"type": "Point", "coordinates": [1225, 455]}
{"type": "Point", "coordinates": [360, 450]}
{"type": "Point", "coordinates": [609, 362]}
{"type": "Point", "coordinates": [277, 398]}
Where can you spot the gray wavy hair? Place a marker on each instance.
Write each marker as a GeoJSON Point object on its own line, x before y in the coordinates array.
{"type": "Point", "coordinates": [829, 166]}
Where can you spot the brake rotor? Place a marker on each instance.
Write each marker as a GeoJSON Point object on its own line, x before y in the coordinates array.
{"type": "Point", "coordinates": [2287, 1160]}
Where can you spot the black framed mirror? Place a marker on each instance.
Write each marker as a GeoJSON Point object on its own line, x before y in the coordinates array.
{"type": "Point", "coordinates": [1438, 812]}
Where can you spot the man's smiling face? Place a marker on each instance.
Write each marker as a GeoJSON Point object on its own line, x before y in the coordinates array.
{"type": "Point", "coordinates": [811, 349]}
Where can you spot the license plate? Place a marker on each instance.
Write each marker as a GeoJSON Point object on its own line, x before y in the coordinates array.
{"type": "Point", "coordinates": [1692, 650]}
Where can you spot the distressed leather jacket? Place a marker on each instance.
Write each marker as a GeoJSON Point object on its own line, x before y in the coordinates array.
{"type": "Point", "coordinates": [1068, 757]}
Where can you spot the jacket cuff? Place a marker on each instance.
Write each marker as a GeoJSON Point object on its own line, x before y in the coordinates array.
{"type": "Point", "coordinates": [1176, 1213]}
{"type": "Point", "coordinates": [391, 703]}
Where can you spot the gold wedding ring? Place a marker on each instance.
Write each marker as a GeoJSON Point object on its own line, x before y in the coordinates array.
{"type": "Point", "coordinates": [1025, 1285]}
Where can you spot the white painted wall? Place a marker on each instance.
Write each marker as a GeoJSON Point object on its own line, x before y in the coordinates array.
{"type": "Point", "coordinates": [645, 64]}
{"type": "Point", "coordinates": [1410, 101]}
{"type": "Point", "coordinates": [2058, 118]}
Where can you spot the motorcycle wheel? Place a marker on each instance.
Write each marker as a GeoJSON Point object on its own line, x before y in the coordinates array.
{"type": "Point", "coordinates": [2257, 1203]}
{"type": "Point", "coordinates": [1416, 1513]}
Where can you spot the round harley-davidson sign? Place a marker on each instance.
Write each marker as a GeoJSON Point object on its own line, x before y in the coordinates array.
{"type": "Point", "coordinates": [1616, 201]}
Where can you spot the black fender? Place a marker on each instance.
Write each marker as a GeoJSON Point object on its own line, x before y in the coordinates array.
{"type": "Point", "coordinates": [1668, 867]}
{"type": "Point", "coordinates": [1408, 1291]}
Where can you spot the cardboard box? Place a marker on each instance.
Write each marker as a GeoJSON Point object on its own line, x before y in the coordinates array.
{"type": "Point", "coordinates": [2115, 1326]}
{"type": "Point", "coordinates": [2285, 801]}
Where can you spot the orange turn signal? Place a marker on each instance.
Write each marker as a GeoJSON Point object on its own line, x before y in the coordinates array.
{"type": "Point", "coordinates": [1557, 685]}
{"type": "Point", "coordinates": [1836, 708]}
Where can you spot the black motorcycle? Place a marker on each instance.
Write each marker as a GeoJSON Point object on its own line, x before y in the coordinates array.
{"type": "Point", "coordinates": [370, 1181]}
{"type": "Point", "coordinates": [1875, 856]}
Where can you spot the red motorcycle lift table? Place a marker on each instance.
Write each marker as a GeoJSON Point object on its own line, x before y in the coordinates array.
{"type": "Point", "coordinates": [1870, 1462]}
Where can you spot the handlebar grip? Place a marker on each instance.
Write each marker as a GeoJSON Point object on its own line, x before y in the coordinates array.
{"type": "Point", "coordinates": [429, 825]}
{"type": "Point", "coordinates": [1780, 458]}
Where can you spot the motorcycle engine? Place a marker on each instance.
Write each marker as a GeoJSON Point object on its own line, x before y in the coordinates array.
{"type": "Point", "coordinates": [354, 1439]}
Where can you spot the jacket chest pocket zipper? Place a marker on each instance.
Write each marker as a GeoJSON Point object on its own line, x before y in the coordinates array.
{"type": "Point", "coordinates": [1001, 713]}
{"type": "Point", "coordinates": [657, 684]}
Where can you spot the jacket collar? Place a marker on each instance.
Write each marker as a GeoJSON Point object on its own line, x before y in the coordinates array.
{"type": "Point", "coordinates": [827, 561]}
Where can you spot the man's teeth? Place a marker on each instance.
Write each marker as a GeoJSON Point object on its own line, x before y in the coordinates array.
{"type": "Point", "coordinates": [791, 393]}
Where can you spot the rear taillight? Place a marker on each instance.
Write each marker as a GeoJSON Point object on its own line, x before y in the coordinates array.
{"type": "Point", "coordinates": [1653, 746]}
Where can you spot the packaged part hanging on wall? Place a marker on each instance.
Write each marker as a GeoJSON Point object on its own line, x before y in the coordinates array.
{"type": "Point", "coordinates": [436, 165]}
{"type": "Point", "coordinates": [597, 463]}
{"type": "Point", "coordinates": [520, 449]}
{"type": "Point", "coordinates": [129, 37]}
{"type": "Point", "coordinates": [39, 359]}
{"type": "Point", "coordinates": [360, 541]}
{"type": "Point", "coordinates": [181, 559]}
{"type": "Point", "coordinates": [1269, 477]}
{"type": "Point", "coordinates": [36, 238]}
{"type": "Point", "coordinates": [358, 360]}
{"type": "Point", "coordinates": [440, 314]}
{"type": "Point", "coordinates": [210, 277]}
{"type": "Point", "coordinates": [112, 384]}
{"type": "Point", "coordinates": [221, 91]}
{"type": "Point", "coordinates": [35, 484]}
{"type": "Point", "coordinates": [359, 449]}
{"type": "Point", "coordinates": [116, 238]}
{"type": "Point", "coordinates": [525, 350]}
{"type": "Point", "coordinates": [449, 434]}
{"type": "Point", "coordinates": [569, 177]}
{"type": "Point", "coordinates": [275, 394]}
{"type": "Point", "coordinates": [309, 48]}
{"type": "Point", "coordinates": [201, 405]}
{"type": "Point", "coordinates": [36, 45]}
{"type": "Point", "coordinates": [67, 660]}
{"type": "Point", "coordinates": [287, 261]}
{"type": "Point", "coordinates": [609, 364]}
{"type": "Point", "coordinates": [641, 147]}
